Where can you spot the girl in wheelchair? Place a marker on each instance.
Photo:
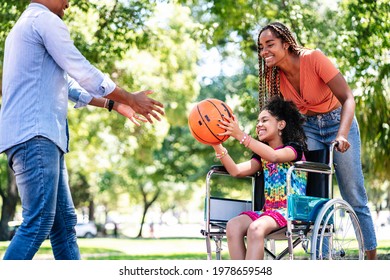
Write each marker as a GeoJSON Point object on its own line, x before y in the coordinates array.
{"type": "Point", "coordinates": [281, 142]}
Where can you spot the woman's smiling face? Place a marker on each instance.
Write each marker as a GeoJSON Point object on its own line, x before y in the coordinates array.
{"type": "Point", "coordinates": [271, 48]}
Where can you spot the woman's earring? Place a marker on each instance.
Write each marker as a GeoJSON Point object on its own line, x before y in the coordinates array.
{"type": "Point", "coordinates": [280, 133]}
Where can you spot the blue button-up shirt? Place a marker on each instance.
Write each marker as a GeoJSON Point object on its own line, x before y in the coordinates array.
{"type": "Point", "coordinates": [42, 69]}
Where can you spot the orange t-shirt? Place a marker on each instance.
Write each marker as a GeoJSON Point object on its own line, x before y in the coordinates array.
{"type": "Point", "coordinates": [316, 70]}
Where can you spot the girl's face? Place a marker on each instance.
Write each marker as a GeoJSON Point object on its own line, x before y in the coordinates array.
{"type": "Point", "coordinates": [268, 127]}
{"type": "Point", "coordinates": [271, 48]}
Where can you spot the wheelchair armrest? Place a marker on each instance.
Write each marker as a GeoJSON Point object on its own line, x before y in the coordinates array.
{"type": "Point", "coordinates": [315, 166]}
{"type": "Point", "coordinates": [219, 169]}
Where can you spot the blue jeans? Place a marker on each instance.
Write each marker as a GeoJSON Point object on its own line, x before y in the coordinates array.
{"type": "Point", "coordinates": [321, 130]}
{"type": "Point", "coordinates": [48, 209]}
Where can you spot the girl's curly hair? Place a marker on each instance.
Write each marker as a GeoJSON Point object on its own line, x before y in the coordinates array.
{"type": "Point", "coordinates": [288, 112]}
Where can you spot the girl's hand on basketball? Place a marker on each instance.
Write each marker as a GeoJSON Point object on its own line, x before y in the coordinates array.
{"type": "Point", "coordinates": [231, 125]}
{"type": "Point", "coordinates": [224, 124]}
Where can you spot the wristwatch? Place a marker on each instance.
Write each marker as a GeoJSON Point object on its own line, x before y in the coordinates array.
{"type": "Point", "coordinates": [110, 105]}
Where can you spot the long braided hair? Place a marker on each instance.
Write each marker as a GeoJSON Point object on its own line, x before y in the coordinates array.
{"type": "Point", "coordinates": [269, 78]}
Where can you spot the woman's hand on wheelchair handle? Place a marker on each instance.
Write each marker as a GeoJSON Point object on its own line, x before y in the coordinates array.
{"type": "Point", "coordinates": [342, 144]}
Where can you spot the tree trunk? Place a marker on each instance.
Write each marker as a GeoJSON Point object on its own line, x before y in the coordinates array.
{"type": "Point", "coordinates": [147, 205]}
{"type": "Point", "coordinates": [91, 212]}
{"type": "Point", "coordinates": [10, 200]}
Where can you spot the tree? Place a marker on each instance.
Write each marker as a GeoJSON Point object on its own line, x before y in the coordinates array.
{"type": "Point", "coordinates": [169, 67]}
{"type": "Point", "coordinates": [10, 197]}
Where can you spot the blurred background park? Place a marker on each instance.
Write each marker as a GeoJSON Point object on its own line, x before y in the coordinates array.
{"type": "Point", "coordinates": [147, 183]}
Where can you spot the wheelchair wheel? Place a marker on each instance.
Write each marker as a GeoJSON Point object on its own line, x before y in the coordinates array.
{"type": "Point", "coordinates": [336, 233]}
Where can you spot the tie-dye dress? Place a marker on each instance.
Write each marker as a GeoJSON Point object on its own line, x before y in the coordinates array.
{"type": "Point", "coordinates": [275, 186]}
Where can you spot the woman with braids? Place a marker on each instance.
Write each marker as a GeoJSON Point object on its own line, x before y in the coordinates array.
{"type": "Point", "coordinates": [281, 142]}
{"type": "Point", "coordinates": [310, 80]}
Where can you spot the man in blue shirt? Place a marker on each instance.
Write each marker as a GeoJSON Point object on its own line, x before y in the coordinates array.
{"type": "Point", "coordinates": [43, 69]}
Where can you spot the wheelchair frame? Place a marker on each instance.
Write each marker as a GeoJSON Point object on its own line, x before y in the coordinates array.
{"type": "Point", "coordinates": [323, 236]}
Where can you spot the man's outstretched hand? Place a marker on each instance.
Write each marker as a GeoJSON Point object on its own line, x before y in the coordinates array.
{"type": "Point", "coordinates": [140, 102]}
{"type": "Point", "coordinates": [146, 106]}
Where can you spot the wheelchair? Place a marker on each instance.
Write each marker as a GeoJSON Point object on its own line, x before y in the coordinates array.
{"type": "Point", "coordinates": [327, 228]}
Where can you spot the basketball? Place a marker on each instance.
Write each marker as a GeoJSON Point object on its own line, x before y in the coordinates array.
{"type": "Point", "coordinates": [204, 118]}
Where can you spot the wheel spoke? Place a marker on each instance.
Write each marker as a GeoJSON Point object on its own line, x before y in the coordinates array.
{"type": "Point", "coordinates": [337, 234]}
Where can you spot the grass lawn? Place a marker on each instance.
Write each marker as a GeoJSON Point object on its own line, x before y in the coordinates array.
{"type": "Point", "coordinates": [132, 249]}
{"type": "Point", "coordinates": [156, 249]}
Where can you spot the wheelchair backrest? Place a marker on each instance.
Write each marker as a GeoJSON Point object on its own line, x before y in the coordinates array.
{"type": "Point", "coordinates": [317, 184]}
{"type": "Point", "coordinates": [258, 191]}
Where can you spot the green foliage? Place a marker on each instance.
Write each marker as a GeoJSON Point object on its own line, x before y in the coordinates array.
{"type": "Point", "coordinates": [366, 52]}
{"type": "Point", "coordinates": [104, 30]}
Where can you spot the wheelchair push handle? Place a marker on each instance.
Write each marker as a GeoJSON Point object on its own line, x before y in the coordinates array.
{"type": "Point", "coordinates": [334, 145]}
